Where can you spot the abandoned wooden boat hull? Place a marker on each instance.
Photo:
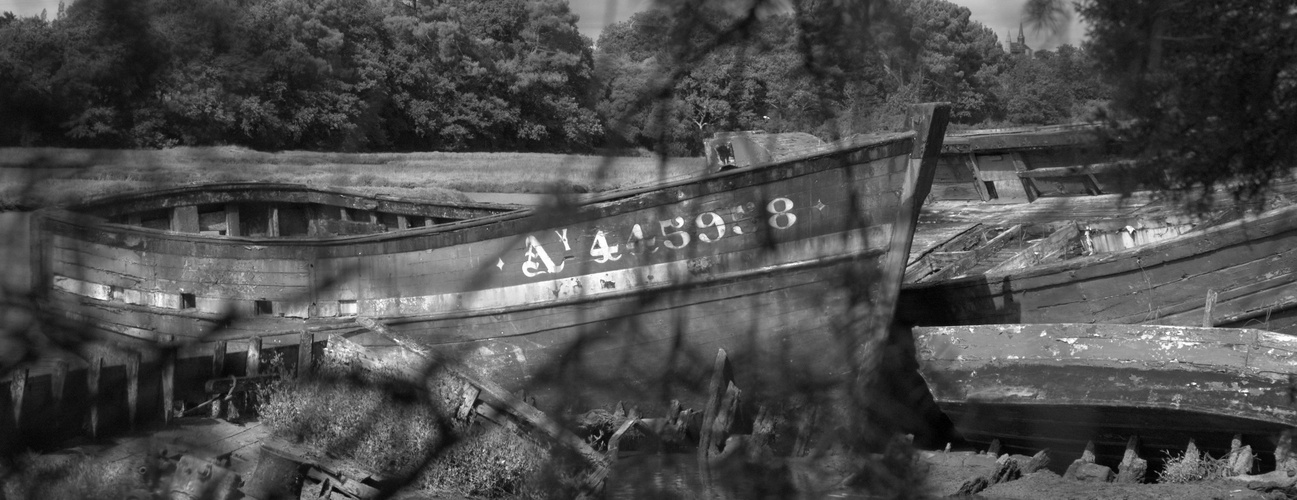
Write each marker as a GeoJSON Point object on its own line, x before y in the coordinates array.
{"type": "Point", "coordinates": [642, 283]}
{"type": "Point", "coordinates": [1058, 386]}
{"type": "Point", "coordinates": [1246, 264]}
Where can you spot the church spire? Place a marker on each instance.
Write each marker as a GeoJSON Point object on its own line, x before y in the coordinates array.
{"type": "Point", "coordinates": [1021, 39]}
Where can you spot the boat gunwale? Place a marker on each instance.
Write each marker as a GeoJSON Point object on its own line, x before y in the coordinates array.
{"type": "Point", "coordinates": [589, 206]}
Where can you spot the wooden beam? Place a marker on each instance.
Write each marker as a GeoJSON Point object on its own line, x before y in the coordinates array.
{"type": "Point", "coordinates": [974, 256]}
{"type": "Point", "coordinates": [17, 392]}
{"type": "Point", "coordinates": [970, 161]}
{"type": "Point", "coordinates": [232, 220]}
{"type": "Point", "coordinates": [402, 222]}
{"type": "Point", "coordinates": [1079, 170]}
{"type": "Point", "coordinates": [92, 391]}
{"type": "Point", "coordinates": [1047, 248]}
{"type": "Point", "coordinates": [1028, 185]}
{"type": "Point", "coordinates": [132, 386]}
{"type": "Point", "coordinates": [1207, 307]}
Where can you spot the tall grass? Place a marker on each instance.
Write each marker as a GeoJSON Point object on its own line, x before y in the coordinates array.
{"type": "Point", "coordinates": [42, 176]}
{"type": "Point", "coordinates": [365, 417]}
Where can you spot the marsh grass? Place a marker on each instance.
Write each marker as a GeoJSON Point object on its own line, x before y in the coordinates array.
{"type": "Point", "coordinates": [377, 422]}
{"type": "Point", "coordinates": [44, 176]}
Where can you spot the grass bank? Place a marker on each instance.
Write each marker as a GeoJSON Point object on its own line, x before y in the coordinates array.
{"type": "Point", "coordinates": [43, 176]}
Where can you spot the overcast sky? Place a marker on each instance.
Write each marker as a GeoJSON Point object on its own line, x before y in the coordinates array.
{"type": "Point", "coordinates": [999, 15]}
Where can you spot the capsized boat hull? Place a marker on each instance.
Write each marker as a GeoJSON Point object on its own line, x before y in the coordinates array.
{"type": "Point", "coordinates": [1059, 386]}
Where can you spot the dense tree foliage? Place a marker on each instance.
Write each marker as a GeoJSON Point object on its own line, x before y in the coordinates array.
{"type": "Point", "coordinates": [504, 74]}
{"type": "Point", "coordinates": [327, 74]}
{"type": "Point", "coordinates": [1204, 94]}
{"type": "Point", "coordinates": [784, 72]}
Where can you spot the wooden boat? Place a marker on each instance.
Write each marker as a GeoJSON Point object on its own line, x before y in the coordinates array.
{"type": "Point", "coordinates": [1132, 268]}
{"type": "Point", "coordinates": [631, 290]}
{"type": "Point", "coordinates": [1058, 386]}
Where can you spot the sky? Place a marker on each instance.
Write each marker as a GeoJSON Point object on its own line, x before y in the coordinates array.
{"type": "Point", "coordinates": [999, 15]}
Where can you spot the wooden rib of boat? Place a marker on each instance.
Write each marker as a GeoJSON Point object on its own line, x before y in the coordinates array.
{"type": "Point", "coordinates": [632, 289]}
{"type": "Point", "coordinates": [1080, 273]}
{"type": "Point", "coordinates": [1058, 386]}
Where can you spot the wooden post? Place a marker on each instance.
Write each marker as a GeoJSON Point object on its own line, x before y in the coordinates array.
{"type": "Point", "coordinates": [304, 344]}
{"type": "Point", "coordinates": [1207, 321]}
{"type": "Point", "coordinates": [722, 375]}
{"type": "Point", "coordinates": [272, 228]}
{"type": "Point", "coordinates": [994, 449]}
{"type": "Point", "coordinates": [402, 222]}
{"type": "Point", "coordinates": [1132, 468]}
{"type": "Point", "coordinates": [218, 358]}
{"type": "Point", "coordinates": [132, 386]}
{"type": "Point", "coordinates": [92, 389]}
{"type": "Point", "coordinates": [232, 220]}
{"type": "Point", "coordinates": [17, 388]}
{"type": "Point", "coordinates": [184, 219]}
{"type": "Point", "coordinates": [254, 357]}
{"type": "Point", "coordinates": [57, 381]}
{"type": "Point", "coordinates": [168, 384]}
{"type": "Point", "coordinates": [1240, 456]}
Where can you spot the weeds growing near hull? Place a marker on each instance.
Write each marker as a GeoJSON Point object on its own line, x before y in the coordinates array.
{"type": "Point", "coordinates": [1193, 467]}
{"type": "Point", "coordinates": [376, 422]}
{"type": "Point", "coordinates": [56, 477]}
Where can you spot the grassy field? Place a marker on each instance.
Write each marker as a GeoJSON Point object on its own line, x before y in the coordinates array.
{"type": "Point", "coordinates": [45, 176]}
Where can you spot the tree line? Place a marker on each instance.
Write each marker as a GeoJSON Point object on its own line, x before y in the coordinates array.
{"type": "Point", "coordinates": [397, 75]}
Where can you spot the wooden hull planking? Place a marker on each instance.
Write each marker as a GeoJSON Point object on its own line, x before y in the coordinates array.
{"type": "Point", "coordinates": [1248, 263]}
{"type": "Point", "coordinates": [1058, 386]}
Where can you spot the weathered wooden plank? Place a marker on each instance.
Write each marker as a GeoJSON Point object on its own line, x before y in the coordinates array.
{"type": "Point", "coordinates": [920, 265]}
{"type": "Point", "coordinates": [975, 256]}
{"type": "Point", "coordinates": [1052, 246]}
{"type": "Point", "coordinates": [970, 161]}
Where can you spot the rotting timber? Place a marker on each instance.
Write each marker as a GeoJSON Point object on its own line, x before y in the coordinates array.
{"type": "Point", "coordinates": [616, 293]}
{"type": "Point", "coordinates": [1060, 386]}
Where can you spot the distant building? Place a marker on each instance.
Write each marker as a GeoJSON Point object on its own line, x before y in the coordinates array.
{"type": "Point", "coordinates": [1018, 48]}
